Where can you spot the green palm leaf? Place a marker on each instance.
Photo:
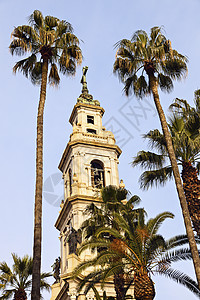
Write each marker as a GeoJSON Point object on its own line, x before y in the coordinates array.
{"type": "Point", "coordinates": [154, 224]}
{"type": "Point", "coordinates": [19, 277]}
{"type": "Point", "coordinates": [181, 278]}
{"type": "Point", "coordinates": [155, 177]}
{"type": "Point", "coordinates": [149, 160]}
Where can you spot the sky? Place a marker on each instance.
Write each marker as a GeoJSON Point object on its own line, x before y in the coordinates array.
{"type": "Point", "coordinates": [99, 24]}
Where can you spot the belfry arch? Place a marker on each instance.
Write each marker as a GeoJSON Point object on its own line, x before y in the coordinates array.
{"type": "Point", "coordinates": [97, 174]}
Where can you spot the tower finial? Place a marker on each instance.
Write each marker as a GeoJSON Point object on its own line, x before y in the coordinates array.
{"type": "Point", "coordinates": [83, 81]}
{"type": "Point", "coordinates": [85, 97]}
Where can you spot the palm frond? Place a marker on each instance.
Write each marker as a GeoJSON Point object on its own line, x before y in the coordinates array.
{"type": "Point", "coordinates": [154, 224]}
{"type": "Point", "coordinates": [93, 244]}
{"type": "Point", "coordinates": [181, 278]}
{"type": "Point", "coordinates": [139, 34]}
{"type": "Point", "coordinates": [180, 106]}
{"type": "Point", "coordinates": [25, 65]}
{"type": "Point", "coordinates": [36, 19]}
{"type": "Point", "coordinates": [89, 281]}
{"type": "Point", "coordinates": [36, 73]}
{"type": "Point", "coordinates": [165, 83]}
{"type": "Point", "coordinates": [7, 294]}
{"type": "Point", "coordinates": [133, 201]}
{"type": "Point", "coordinates": [175, 68]}
{"type": "Point", "coordinates": [113, 194]}
{"type": "Point", "coordinates": [175, 256]}
{"type": "Point", "coordinates": [112, 231]}
{"type": "Point", "coordinates": [155, 177]}
{"type": "Point", "coordinates": [140, 87]}
{"type": "Point", "coordinates": [54, 78]}
{"type": "Point", "coordinates": [68, 59]}
{"type": "Point", "coordinates": [197, 100]}
{"type": "Point", "coordinates": [149, 160]}
{"type": "Point", "coordinates": [156, 36]}
{"type": "Point", "coordinates": [176, 123]}
{"type": "Point", "coordinates": [19, 47]}
{"type": "Point", "coordinates": [50, 22]}
{"type": "Point", "coordinates": [178, 240]}
{"type": "Point", "coordinates": [63, 27]}
{"type": "Point", "coordinates": [156, 140]}
{"type": "Point", "coordinates": [129, 83]}
{"type": "Point", "coordinates": [155, 244]}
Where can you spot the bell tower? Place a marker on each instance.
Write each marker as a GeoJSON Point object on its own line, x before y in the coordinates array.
{"type": "Point", "coordinates": [89, 162]}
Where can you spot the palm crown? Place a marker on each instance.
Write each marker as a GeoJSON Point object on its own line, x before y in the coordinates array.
{"type": "Point", "coordinates": [47, 38]}
{"type": "Point", "coordinates": [17, 281]}
{"type": "Point", "coordinates": [151, 56]}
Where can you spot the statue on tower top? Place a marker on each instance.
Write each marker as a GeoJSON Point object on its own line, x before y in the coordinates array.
{"type": "Point", "coordinates": [83, 80]}
{"type": "Point", "coordinates": [85, 97]}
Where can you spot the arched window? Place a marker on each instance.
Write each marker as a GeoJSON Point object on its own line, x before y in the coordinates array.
{"type": "Point", "coordinates": [97, 174]}
{"type": "Point", "coordinates": [70, 182]}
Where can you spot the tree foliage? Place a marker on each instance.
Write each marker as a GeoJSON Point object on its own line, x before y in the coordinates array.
{"type": "Point", "coordinates": [142, 56]}
{"type": "Point", "coordinates": [16, 281]}
{"type": "Point", "coordinates": [133, 249]}
{"type": "Point", "coordinates": [45, 37]}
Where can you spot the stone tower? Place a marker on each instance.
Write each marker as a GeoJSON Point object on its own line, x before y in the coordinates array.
{"type": "Point", "coordinates": [89, 162]}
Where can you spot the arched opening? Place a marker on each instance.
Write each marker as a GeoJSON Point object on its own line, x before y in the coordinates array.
{"type": "Point", "coordinates": [97, 174]}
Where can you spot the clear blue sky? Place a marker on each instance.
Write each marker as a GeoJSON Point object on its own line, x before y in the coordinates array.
{"type": "Point", "coordinates": [100, 24]}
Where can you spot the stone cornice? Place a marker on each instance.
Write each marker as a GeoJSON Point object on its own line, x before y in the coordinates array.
{"type": "Point", "coordinates": [68, 204]}
{"type": "Point", "coordinates": [88, 144]}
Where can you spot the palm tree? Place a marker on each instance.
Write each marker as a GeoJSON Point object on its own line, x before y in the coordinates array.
{"type": "Point", "coordinates": [159, 64]}
{"type": "Point", "coordinates": [140, 251]}
{"type": "Point", "coordinates": [186, 142]}
{"type": "Point", "coordinates": [51, 45]}
{"type": "Point", "coordinates": [17, 281]}
{"type": "Point", "coordinates": [113, 200]}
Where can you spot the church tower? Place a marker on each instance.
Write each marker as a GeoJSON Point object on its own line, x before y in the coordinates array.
{"type": "Point", "coordinates": [89, 162]}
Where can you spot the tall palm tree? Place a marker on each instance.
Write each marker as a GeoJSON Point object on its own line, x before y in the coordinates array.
{"type": "Point", "coordinates": [186, 142]}
{"type": "Point", "coordinates": [159, 64]}
{"type": "Point", "coordinates": [17, 281]}
{"type": "Point", "coordinates": [52, 47]}
{"type": "Point", "coordinates": [140, 251]}
{"type": "Point", "coordinates": [113, 200]}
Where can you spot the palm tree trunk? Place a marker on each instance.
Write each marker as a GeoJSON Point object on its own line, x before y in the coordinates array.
{"type": "Point", "coordinates": [186, 216]}
{"type": "Point", "coordinates": [119, 286]}
{"type": "Point", "coordinates": [191, 185]}
{"type": "Point", "coordinates": [35, 293]}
